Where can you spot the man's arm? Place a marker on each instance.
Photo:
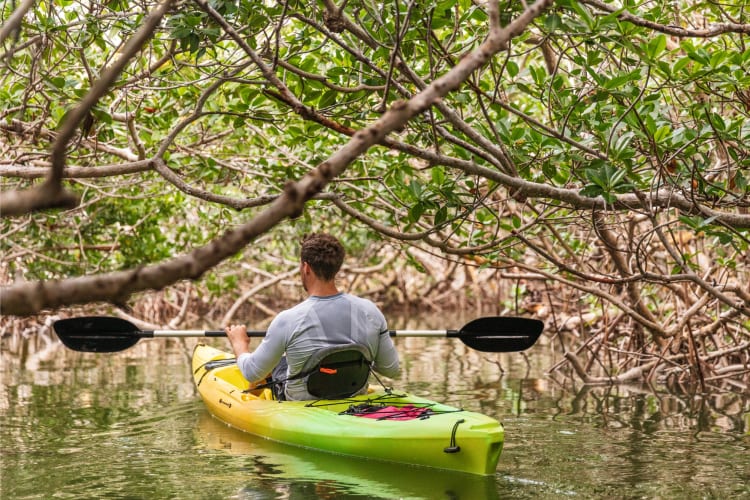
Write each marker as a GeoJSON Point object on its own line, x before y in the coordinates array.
{"type": "Point", "coordinates": [257, 365]}
{"type": "Point", "coordinates": [386, 362]}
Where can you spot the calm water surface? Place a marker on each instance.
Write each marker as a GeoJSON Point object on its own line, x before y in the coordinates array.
{"type": "Point", "coordinates": [131, 425]}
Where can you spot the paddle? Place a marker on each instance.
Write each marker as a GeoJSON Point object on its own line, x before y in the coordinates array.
{"type": "Point", "coordinates": [108, 334]}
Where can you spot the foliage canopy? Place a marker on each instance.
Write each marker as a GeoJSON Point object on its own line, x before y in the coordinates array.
{"type": "Point", "coordinates": [599, 146]}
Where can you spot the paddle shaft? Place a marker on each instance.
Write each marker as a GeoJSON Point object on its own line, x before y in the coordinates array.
{"type": "Point", "coordinates": [261, 333]}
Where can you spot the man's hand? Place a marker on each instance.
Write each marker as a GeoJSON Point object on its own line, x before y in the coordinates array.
{"type": "Point", "coordinates": [240, 342]}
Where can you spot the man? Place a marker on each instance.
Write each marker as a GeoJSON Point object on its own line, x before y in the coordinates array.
{"type": "Point", "coordinates": [326, 318]}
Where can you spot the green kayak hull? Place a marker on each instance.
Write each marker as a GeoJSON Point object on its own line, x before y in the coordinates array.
{"type": "Point", "coordinates": [443, 436]}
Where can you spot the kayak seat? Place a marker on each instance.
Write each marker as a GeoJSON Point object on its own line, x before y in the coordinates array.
{"type": "Point", "coordinates": [337, 371]}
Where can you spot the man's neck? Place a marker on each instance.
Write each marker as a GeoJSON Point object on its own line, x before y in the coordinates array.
{"type": "Point", "coordinates": [322, 288]}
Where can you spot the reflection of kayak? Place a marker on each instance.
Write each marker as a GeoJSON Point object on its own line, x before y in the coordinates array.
{"type": "Point", "coordinates": [381, 425]}
{"type": "Point", "coordinates": [276, 463]}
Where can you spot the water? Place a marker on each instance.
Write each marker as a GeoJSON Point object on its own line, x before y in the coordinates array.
{"type": "Point", "coordinates": [131, 425]}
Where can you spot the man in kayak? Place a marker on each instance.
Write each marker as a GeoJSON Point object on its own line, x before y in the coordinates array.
{"type": "Point", "coordinates": [326, 318]}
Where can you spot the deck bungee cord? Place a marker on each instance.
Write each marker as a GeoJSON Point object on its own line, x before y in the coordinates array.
{"type": "Point", "coordinates": [212, 365]}
{"type": "Point", "coordinates": [385, 407]}
{"type": "Point", "coordinates": [381, 407]}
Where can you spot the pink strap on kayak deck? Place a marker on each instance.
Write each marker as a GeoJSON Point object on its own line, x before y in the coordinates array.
{"type": "Point", "coordinates": [395, 413]}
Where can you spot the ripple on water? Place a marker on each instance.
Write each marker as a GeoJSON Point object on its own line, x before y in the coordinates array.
{"type": "Point", "coordinates": [134, 428]}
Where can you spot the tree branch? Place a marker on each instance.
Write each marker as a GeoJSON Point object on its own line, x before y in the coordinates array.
{"type": "Point", "coordinates": [29, 297]}
{"type": "Point", "coordinates": [50, 194]}
{"type": "Point", "coordinates": [13, 22]}
{"type": "Point", "coordinates": [714, 30]}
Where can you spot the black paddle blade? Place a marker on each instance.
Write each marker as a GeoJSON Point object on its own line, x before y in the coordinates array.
{"type": "Point", "coordinates": [97, 333]}
{"type": "Point", "coordinates": [501, 333]}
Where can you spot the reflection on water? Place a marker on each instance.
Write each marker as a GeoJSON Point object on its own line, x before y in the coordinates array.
{"type": "Point", "coordinates": [131, 426]}
{"type": "Point", "coordinates": [305, 470]}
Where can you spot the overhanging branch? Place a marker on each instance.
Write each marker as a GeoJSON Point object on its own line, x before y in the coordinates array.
{"type": "Point", "coordinates": [32, 297]}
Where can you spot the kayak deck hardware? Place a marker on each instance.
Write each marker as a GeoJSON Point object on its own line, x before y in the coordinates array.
{"type": "Point", "coordinates": [453, 447]}
{"type": "Point", "coordinates": [211, 365]}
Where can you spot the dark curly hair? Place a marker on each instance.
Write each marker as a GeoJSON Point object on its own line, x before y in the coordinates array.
{"type": "Point", "coordinates": [324, 253]}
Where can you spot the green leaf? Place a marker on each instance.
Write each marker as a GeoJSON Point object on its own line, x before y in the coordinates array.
{"type": "Point", "coordinates": [416, 188]}
{"type": "Point", "coordinates": [328, 98]}
{"type": "Point", "coordinates": [441, 215]}
{"type": "Point", "coordinates": [102, 115]}
{"type": "Point", "coordinates": [724, 237]}
{"type": "Point", "coordinates": [438, 176]}
{"type": "Point", "coordinates": [620, 80]}
{"type": "Point", "coordinates": [700, 56]}
{"type": "Point", "coordinates": [57, 81]}
{"type": "Point", "coordinates": [512, 68]}
{"type": "Point", "coordinates": [619, 149]}
{"type": "Point", "coordinates": [552, 22]}
{"type": "Point", "coordinates": [591, 191]}
{"type": "Point", "coordinates": [717, 58]}
{"type": "Point", "coordinates": [656, 46]}
{"type": "Point", "coordinates": [662, 133]}
{"type": "Point", "coordinates": [740, 181]}
{"type": "Point", "coordinates": [680, 64]}
{"type": "Point", "coordinates": [416, 211]}
{"type": "Point", "coordinates": [583, 13]}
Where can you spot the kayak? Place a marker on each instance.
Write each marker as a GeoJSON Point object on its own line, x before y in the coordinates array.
{"type": "Point", "coordinates": [342, 477]}
{"type": "Point", "coordinates": [384, 425]}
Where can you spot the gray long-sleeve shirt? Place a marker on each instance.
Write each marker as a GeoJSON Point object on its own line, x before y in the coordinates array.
{"type": "Point", "coordinates": [316, 323]}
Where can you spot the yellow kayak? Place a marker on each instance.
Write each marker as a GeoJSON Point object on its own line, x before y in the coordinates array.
{"type": "Point", "coordinates": [382, 425]}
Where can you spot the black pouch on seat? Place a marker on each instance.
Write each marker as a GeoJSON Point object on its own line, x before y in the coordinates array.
{"type": "Point", "coordinates": [342, 372]}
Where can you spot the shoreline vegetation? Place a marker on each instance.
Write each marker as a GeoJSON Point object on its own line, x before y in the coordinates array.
{"type": "Point", "coordinates": [592, 344]}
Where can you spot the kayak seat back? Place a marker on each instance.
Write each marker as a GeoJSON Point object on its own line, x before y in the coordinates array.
{"type": "Point", "coordinates": [337, 372]}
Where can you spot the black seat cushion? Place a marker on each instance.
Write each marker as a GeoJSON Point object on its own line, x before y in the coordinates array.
{"type": "Point", "coordinates": [341, 373]}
